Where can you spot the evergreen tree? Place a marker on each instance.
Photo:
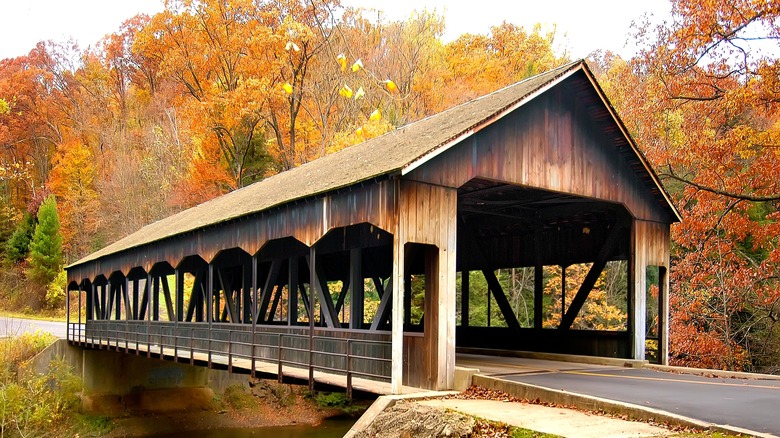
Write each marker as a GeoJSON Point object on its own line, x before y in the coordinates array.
{"type": "Point", "coordinates": [18, 245]}
{"type": "Point", "coordinates": [46, 246]}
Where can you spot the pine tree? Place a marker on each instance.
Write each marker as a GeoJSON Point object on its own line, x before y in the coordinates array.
{"type": "Point", "coordinates": [46, 246]}
{"type": "Point", "coordinates": [18, 245]}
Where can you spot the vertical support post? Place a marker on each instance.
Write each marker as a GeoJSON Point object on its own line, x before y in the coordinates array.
{"type": "Point", "coordinates": [156, 297]}
{"type": "Point", "coordinates": [104, 309]}
{"type": "Point", "coordinates": [135, 299]}
{"type": "Point", "coordinates": [292, 292]}
{"type": "Point", "coordinates": [128, 306]}
{"type": "Point", "coordinates": [663, 313]}
{"type": "Point", "coordinates": [179, 291]}
{"type": "Point", "coordinates": [356, 289]}
{"type": "Point", "coordinates": [67, 312]}
{"type": "Point", "coordinates": [209, 305]}
{"type": "Point", "coordinates": [313, 285]}
{"type": "Point", "coordinates": [118, 301]}
{"type": "Point", "coordinates": [90, 302]}
{"type": "Point", "coordinates": [563, 292]}
{"type": "Point", "coordinates": [637, 293]}
{"type": "Point", "coordinates": [179, 295]}
{"type": "Point", "coordinates": [397, 316]}
{"type": "Point", "coordinates": [254, 314]}
{"type": "Point", "coordinates": [538, 279]}
{"type": "Point", "coordinates": [148, 289]}
{"type": "Point", "coordinates": [79, 305]}
{"type": "Point", "coordinates": [464, 299]}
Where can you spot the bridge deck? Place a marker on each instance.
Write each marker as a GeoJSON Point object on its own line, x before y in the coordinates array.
{"type": "Point", "coordinates": [343, 359]}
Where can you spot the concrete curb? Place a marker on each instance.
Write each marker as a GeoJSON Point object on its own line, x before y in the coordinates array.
{"type": "Point", "coordinates": [710, 372]}
{"type": "Point", "coordinates": [386, 402]}
{"type": "Point", "coordinates": [590, 360]}
{"type": "Point", "coordinates": [533, 392]}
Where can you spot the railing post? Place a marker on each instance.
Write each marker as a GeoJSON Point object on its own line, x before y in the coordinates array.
{"type": "Point", "coordinates": [230, 351]}
{"type": "Point", "coordinates": [192, 347]}
{"type": "Point", "coordinates": [279, 376]}
{"type": "Point", "coordinates": [254, 312]}
{"type": "Point", "coordinates": [349, 369]}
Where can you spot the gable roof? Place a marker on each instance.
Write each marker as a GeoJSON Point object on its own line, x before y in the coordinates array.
{"type": "Point", "coordinates": [396, 152]}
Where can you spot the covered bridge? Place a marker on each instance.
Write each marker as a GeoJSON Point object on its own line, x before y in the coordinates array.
{"type": "Point", "coordinates": [381, 259]}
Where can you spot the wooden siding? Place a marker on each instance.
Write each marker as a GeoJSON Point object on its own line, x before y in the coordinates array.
{"type": "Point", "coordinates": [306, 221]}
{"type": "Point", "coordinates": [551, 143]}
{"type": "Point", "coordinates": [428, 215]}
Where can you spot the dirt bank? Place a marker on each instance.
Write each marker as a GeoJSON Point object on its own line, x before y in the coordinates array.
{"type": "Point", "coordinates": [266, 403]}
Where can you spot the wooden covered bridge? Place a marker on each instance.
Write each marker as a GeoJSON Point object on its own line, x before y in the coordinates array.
{"type": "Point", "coordinates": [380, 260]}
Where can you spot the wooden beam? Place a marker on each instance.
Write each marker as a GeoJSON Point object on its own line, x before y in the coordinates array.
{"type": "Point", "coordinates": [357, 289]}
{"type": "Point", "coordinates": [379, 286]}
{"type": "Point", "coordinates": [210, 296]}
{"type": "Point", "coordinates": [612, 242]}
{"type": "Point", "coordinates": [246, 292]}
{"type": "Point", "coordinates": [538, 281]}
{"type": "Point", "coordinates": [275, 304]}
{"type": "Point", "coordinates": [292, 291]}
{"type": "Point", "coordinates": [326, 301]}
{"type": "Point", "coordinates": [126, 294]}
{"type": "Point", "coordinates": [135, 298]}
{"type": "Point", "coordinates": [195, 296]}
{"type": "Point", "coordinates": [227, 289]}
{"type": "Point", "coordinates": [90, 300]}
{"type": "Point", "coordinates": [385, 305]}
{"type": "Point", "coordinates": [464, 298]}
{"type": "Point", "coordinates": [180, 294]}
{"type": "Point", "coordinates": [342, 295]}
{"type": "Point", "coordinates": [305, 299]}
{"type": "Point", "coordinates": [503, 303]}
{"type": "Point", "coordinates": [156, 298]}
{"type": "Point", "coordinates": [168, 300]}
{"type": "Point", "coordinates": [145, 298]}
{"type": "Point", "coordinates": [268, 288]}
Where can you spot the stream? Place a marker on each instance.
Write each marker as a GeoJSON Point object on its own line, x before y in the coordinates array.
{"type": "Point", "coordinates": [332, 428]}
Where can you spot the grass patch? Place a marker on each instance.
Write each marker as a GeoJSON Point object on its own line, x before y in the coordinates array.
{"type": "Point", "coordinates": [337, 400]}
{"type": "Point", "coordinates": [236, 397]}
{"type": "Point", "coordinates": [516, 432]}
{"type": "Point", "coordinates": [54, 317]}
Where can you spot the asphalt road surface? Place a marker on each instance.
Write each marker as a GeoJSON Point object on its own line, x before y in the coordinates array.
{"type": "Point", "coordinates": [16, 326]}
{"type": "Point", "coordinates": [747, 403]}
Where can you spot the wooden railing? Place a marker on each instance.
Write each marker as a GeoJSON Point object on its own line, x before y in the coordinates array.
{"type": "Point", "coordinates": [350, 353]}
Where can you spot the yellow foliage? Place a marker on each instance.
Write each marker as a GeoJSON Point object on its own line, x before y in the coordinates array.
{"type": "Point", "coordinates": [376, 115]}
{"type": "Point", "coordinates": [357, 66]}
{"type": "Point", "coordinates": [342, 61]}
{"type": "Point", "coordinates": [391, 87]}
{"type": "Point", "coordinates": [346, 91]}
{"type": "Point", "coordinates": [287, 88]}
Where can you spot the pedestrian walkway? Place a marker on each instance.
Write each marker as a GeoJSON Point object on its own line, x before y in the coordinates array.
{"type": "Point", "coordinates": [556, 421]}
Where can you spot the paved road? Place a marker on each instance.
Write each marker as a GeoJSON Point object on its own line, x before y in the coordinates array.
{"type": "Point", "coordinates": [16, 326]}
{"type": "Point", "coordinates": [749, 404]}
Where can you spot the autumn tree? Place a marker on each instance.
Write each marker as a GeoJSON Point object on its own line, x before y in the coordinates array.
{"type": "Point", "coordinates": [702, 99]}
{"type": "Point", "coordinates": [73, 181]}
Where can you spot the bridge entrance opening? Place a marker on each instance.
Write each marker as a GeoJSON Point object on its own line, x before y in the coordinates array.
{"type": "Point", "coordinates": [542, 271]}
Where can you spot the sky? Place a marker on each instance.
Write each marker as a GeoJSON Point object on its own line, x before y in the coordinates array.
{"type": "Point", "coordinates": [582, 26]}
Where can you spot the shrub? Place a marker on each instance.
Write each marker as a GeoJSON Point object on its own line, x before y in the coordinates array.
{"type": "Point", "coordinates": [55, 292]}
